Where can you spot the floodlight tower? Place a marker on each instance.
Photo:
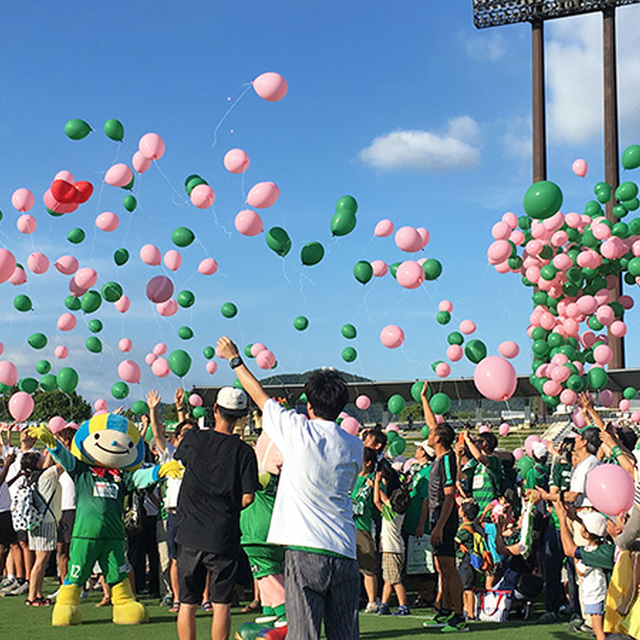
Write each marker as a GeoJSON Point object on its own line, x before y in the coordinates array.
{"type": "Point", "coordinates": [494, 13]}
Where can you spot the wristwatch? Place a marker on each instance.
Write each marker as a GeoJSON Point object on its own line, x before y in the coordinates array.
{"type": "Point", "coordinates": [234, 362]}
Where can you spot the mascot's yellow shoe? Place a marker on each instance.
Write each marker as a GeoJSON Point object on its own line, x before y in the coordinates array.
{"type": "Point", "coordinates": [126, 610]}
{"type": "Point", "coordinates": [66, 611]}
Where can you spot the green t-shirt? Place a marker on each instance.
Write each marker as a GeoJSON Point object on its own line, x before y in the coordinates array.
{"type": "Point", "coordinates": [362, 498]}
{"type": "Point", "coordinates": [485, 480]}
{"type": "Point", "coordinates": [600, 557]}
{"type": "Point", "coordinates": [419, 491]}
{"type": "Point", "coordinates": [463, 537]}
{"type": "Point", "coordinates": [256, 518]}
{"type": "Point", "coordinates": [537, 476]}
{"type": "Point", "coordinates": [561, 475]}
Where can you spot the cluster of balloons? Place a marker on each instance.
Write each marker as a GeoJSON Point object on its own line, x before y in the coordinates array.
{"type": "Point", "coordinates": [265, 358]}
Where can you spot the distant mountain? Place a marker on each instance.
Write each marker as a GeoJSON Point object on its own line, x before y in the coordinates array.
{"type": "Point", "coordinates": [301, 378]}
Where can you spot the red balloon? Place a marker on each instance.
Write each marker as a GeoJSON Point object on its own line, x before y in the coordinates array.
{"type": "Point", "coordinates": [84, 191]}
{"type": "Point", "coordinates": [64, 192]}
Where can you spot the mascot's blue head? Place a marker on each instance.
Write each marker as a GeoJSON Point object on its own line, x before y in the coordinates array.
{"type": "Point", "coordinates": [109, 440]}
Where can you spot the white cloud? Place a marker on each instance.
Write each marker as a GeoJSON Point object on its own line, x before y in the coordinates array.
{"type": "Point", "coordinates": [574, 76]}
{"type": "Point", "coordinates": [484, 46]}
{"type": "Point", "coordinates": [517, 137]}
{"type": "Point", "coordinates": [456, 148]}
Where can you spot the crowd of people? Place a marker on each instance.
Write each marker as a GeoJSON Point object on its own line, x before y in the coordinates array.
{"type": "Point", "coordinates": [331, 524]}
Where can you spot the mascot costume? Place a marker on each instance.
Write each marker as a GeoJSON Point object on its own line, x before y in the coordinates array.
{"type": "Point", "coordinates": [104, 462]}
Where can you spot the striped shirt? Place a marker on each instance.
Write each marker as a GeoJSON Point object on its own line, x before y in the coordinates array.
{"type": "Point", "coordinates": [443, 474]}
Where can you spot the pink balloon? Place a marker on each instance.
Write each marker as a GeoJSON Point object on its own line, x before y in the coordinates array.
{"type": "Point", "coordinates": [56, 424]}
{"type": "Point", "coordinates": [58, 207]}
{"type": "Point", "coordinates": [1, 348]}
{"type": "Point", "coordinates": [508, 349]}
{"type": "Point", "coordinates": [443, 370]}
{"type": "Point", "coordinates": [159, 289]}
{"type": "Point", "coordinates": [20, 406]}
{"type": "Point", "coordinates": [270, 86]}
{"type": "Point", "coordinates": [602, 354]}
{"type": "Point", "coordinates": [445, 305]}
{"type": "Point", "coordinates": [610, 489]}
{"type": "Point", "coordinates": [160, 368]}
{"type": "Point", "coordinates": [392, 427]}
{"type": "Point", "coordinates": [551, 388]}
{"type": "Point", "coordinates": [467, 327]}
{"type": "Point", "coordinates": [38, 263]}
{"type": "Point", "coordinates": [150, 254]}
{"type": "Point", "coordinates": [635, 416]}
{"type": "Point", "coordinates": [26, 224]}
{"type": "Point", "coordinates": [499, 251]}
{"type": "Point", "coordinates": [606, 397]}
{"type": "Point", "coordinates": [119, 175]}
{"type": "Point", "coordinates": [363, 402]}
{"type": "Point", "coordinates": [122, 304]}
{"type": "Point", "coordinates": [67, 322]}
{"type": "Point", "coordinates": [410, 274]}
{"type": "Point", "coordinates": [139, 162]}
{"type": "Point", "coordinates": [202, 196]}
{"type": "Point", "coordinates": [454, 352]}
{"type": "Point", "coordinates": [568, 397]}
{"type": "Point", "coordinates": [172, 259]}
{"type": "Point", "coordinates": [528, 444]}
{"type": "Point", "coordinates": [495, 378]}
{"type": "Point", "coordinates": [624, 405]}
{"type": "Point", "coordinates": [559, 238]}
{"type": "Point", "coordinates": [618, 328]}
{"type": "Point", "coordinates": [501, 230]}
{"type": "Point", "coordinates": [511, 219]}
{"type": "Point", "coordinates": [580, 167]}
{"type": "Point", "coordinates": [587, 304]}
{"type": "Point", "coordinates": [380, 268]}
{"type": "Point", "coordinates": [392, 336]}
{"type": "Point", "coordinates": [408, 239]}
{"type": "Point", "coordinates": [195, 400]}
{"type": "Point", "coordinates": [350, 425]}
{"type": "Point", "coordinates": [256, 348]}
{"type": "Point", "coordinates": [160, 349]}
{"type": "Point", "coordinates": [211, 367]}
{"type": "Point", "coordinates": [61, 352]}
{"type": "Point", "coordinates": [85, 278]}
{"type": "Point", "coordinates": [107, 221]}
{"type": "Point", "coordinates": [8, 373]}
{"type": "Point", "coordinates": [263, 195]}
{"type": "Point", "coordinates": [18, 277]}
{"type": "Point", "coordinates": [236, 161]}
{"type": "Point", "coordinates": [265, 359]}
{"type": "Point", "coordinates": [626, 301]}
{"type": "Point", "coordinates": [74, 289]}
{"type": "Point", "coordinates": [100, 405]}
{"type": "Point", "coordinates": [483, 428]}
{"type": "Point", "coordinates": [605, 314]}
{"type": "Point", "coordinates": [573, 220]}
{"type": "Point", "coordinates": [504, 429]}
{"type": "Point", "coordinates": [67, 176]}
{"type": "Point", "coordinates": [22, 199]}
{"type": "Point", "coordinates": [248, 223]}
{"type": "Point", "coordinates": [151, 146]}
{"type": "Point", "coordinates": [150, 358]}
{"type": "Point", "coordinates": [125, 345]}
{"type": "Point", "coordinates": [129, 371]}
{"type": "Point", "coordinates": [384, 228]}
{"type": "Point", "coordinates": [208, 267]}
{"type": "Point", "coordinates": [425, 235]}
{"type": "Point", "coordinates": [168, 308]}
{"type": "Point", "coordinates": [67, 265]}
{"type": "Point", "coordinates": [518, 453]}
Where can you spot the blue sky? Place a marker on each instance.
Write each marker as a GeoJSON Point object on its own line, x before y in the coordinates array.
{"type": "Point", "coordinates": [421, 117]}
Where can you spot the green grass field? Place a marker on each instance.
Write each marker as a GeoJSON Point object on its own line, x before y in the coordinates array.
{"type": "Point", "coordinates": [19, 622]}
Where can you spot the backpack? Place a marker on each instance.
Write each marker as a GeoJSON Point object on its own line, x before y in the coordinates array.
{"type": "Point", "coordinates": [28, 506]}
{"type": "Point", "coordinates": [480, 556]}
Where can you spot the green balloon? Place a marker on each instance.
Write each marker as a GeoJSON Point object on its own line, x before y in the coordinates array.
{"type": "Point", "coordinates": [209, 352]}
{"type": "Point", "coordinates": [182, 237]}
{"type": "Point", "coordinates": [1, 215]}
{"type": "Point", "coordinates": [594, 323]}
{"type": "Point", "coordinates": [76, 236]}
{"type": "Point", "coordinates": [629, 205]}
{"type": "Point", "coordinates": [626, 191]}
{"type": "Point", "coordinates": [186, 299]}
{"type": "Point", "coordinates": [140, 407]}
{"type": "Point", "coordinates": [396, 404]}
{"type": "Point", "coordinates": [398, 447]}
{"type": "Point", "coordinates": [193, 181]}
{"type": "Point", "coordinates": [77, 129]}
{"type": "Point", "coordinates": [185, 333]}
{"type": "Point", "coordinates": [393, 268]}
{"type": "Point", "coordinates": [114, 129]}
{"type": "Point", "coordinates": [199, 412]}
{"type": "Point", "coordinates": [424, 432]}
{"type": "Point", "coordinates": [443, 317]}
{"type": "Point", "coordinates": [440, 403]}
{"type": "Point", "coordinates": [416, 390]}
{"type": "Point", "coordinates": [311, 253]}
{"type": "Point", "coordinates": [475, 350]}
{"type": "Point", "coordinates": [619, 211]}
{"type": "Point", "coordinates": [542, 199]}
{"type": "Point", "coordinates": [237, 384]}
{"type": "Point", "coordinates": [432, 269]}
{"type": "Point", "coordinates": [22, 303]}
{"type": "Point", "coordinates": [392, 436]}
{"type": "Point", "coordinates": [72, 303]}
{"type": "Point", "coordinates": [91, 301]}
{"type": "Point", "coordinates": [633, 267]}
{"type": "Point", "coordinates": [363, 271]}
{"type": "Point", "coordinates": [597, 378]}
{"type": "Point", "coordinates": [129, 186]}
{"type": "Point", "coordinates": [278, 240]}
{"type": "Point", "coordinates": [95, 325]}
{"type": "Point", "coordinates": [348, 204]}
{"type": "Point", "coordinates": [300, 323]}
{"type": "Point", "coordinates": [28, 385]}
{"type": "Point", "coordinates": [349, 354]}
{"type": "Point", "coordinates": [342, 223]}
{"type": "Point", "coordinates": [247, 351]}
{"type": "Point", "coordinates": [630, 393]}
{"type": "Point", "coordinates": [631, 157]}
{"type": "Point", "coordinates": [348, 331]}
{"type": "Point", "coordinates": [548, 272]}
{"type": "Point", "coordinates": [48, 382]}
{"type": "Point", "coordinates": [43, 366]}
{"type": "Point", "coordinates": [302, 398]}
{"type": "Point", "coordinates": [93, 344]}
{"type": "Point", "coordinates": [455, 337]}
{"type": "Point", "coordinates": [112, 291]}
{"type": "Point", "coordinates": [179, 362]}
{"type": "Point", "coordinates": [38, 340]}
{"type": "Point", "coordinates": [120, 390]}
{"type": "Point", "coordinates": [575, 383]}
{"type": "Point", "coordinates": [229, 310]}
{"type": "Point", "coordinates": [603, 192]}
{"type": "Point", "coordinates": [67, 379]}
{"type": "Point", "coordinates": [121, 256]}
{"type": "Point", "coordinates": [130, 203]}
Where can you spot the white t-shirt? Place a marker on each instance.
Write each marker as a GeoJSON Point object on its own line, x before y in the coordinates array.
{"type": "Point", "coordinates": [593, 582]}
{"type": "Point", "coordinates": [313, 505]}
{"type": "Point", "coordinates": [173, 484]}
{"type": "Point", "coordinates": [579, 479]}
{"type": "Point", "coordinates": [68, 492]}
{"type": "Point", "coordinates": [391, 535]}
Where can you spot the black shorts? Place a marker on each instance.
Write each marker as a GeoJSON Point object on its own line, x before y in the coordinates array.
{"type": "Point", "coordinates": [193, 565]}
{"type": "Point", "coordinates": [65, 526]}
{"type": "Point", "coordinates": [22, 535]}
{"type": "Point", "coordinates": [7, 532]}
{"type": "Point", "coordinates": [467, 574]}
{"type": "Point", "coordinates": [172, 529]}
{"type": "Point", "coordinates": [447, 548]}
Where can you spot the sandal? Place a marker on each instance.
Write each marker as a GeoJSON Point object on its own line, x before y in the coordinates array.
{"type": "Point", "coordinates": [252, 607]}
{"type": "Point", "coordinates": [105, 602]}
{"type": "Point", "coordinates": [174, 608]}
{"type": "Point", "coordinates": [207, 606]}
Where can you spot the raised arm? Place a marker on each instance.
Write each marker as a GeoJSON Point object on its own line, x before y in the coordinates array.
{"type": "Point", "coordinates": [59, 453]}
{"type": "Point", "coordinates": [568, 545]}
{"type": "Point", "coordinates": [474, 450]}
{"type": "Point", "coordinates": [157, 427]}
{"type": "Point", "coordinates": [429, 417]}
{"type": "Point", "coordinates": [178, 399]}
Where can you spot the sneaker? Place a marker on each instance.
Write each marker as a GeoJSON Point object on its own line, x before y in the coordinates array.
{"type": "Point", "coordinates": [403, 610]}
{"type": "Point", "coordinates": [19, 589]}
{"type": "Point", "coordinates": [440, 620]}
{"type": "Point", "coordinates": [167, 601]}
{"type": "Point", "coordinates": [280, 622]}
{"type": "Point", "coordinates": [372, 607]}
{"type": "Point", "coordinates": [548, 618]}
{"type": "Point", "coordinates": [383, 609]}
{"type": "Point", "coordinates": [83, 594]}
{"type": "Point", "coordinates": [8, 584]}
{"type": "Point", "coordinates": [455, 624]}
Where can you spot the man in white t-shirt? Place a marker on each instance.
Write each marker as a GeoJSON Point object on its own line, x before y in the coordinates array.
{"type": "Point", "coordinates": [313, 515]}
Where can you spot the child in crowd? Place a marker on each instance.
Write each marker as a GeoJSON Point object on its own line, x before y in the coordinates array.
{"type": "Point", "coordinates": [464, 539]}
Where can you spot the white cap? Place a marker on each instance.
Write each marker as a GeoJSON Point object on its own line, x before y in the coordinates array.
{"type": "Point", "coordinates": [594, 522]}
{"type": "Point", "coordinates": [539, 449]}
{"type": "Point", "coordinates": [429, 450]}
{"type": "Point", "coordinates": [232, 399]}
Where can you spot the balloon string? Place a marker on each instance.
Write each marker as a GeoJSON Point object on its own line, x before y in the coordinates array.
{"type": "Point", "coordinates": [284, 273]}
{"type": "Point", "coordinates": [227, 112]}
{"type": "Point", "coordinates": [182, 201]}
{"type": "Point", "coordinates": [219, 224]}
{"type": "Point", "coordinates": [243, 190]}
{"type": "Point", "coordinates": [406, 355]}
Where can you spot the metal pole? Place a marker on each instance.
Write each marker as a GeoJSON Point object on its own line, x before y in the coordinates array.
{"type": "Point", "coordinates": [611, 150]}
{"type": "Point", "coordinates": [538, 101]}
